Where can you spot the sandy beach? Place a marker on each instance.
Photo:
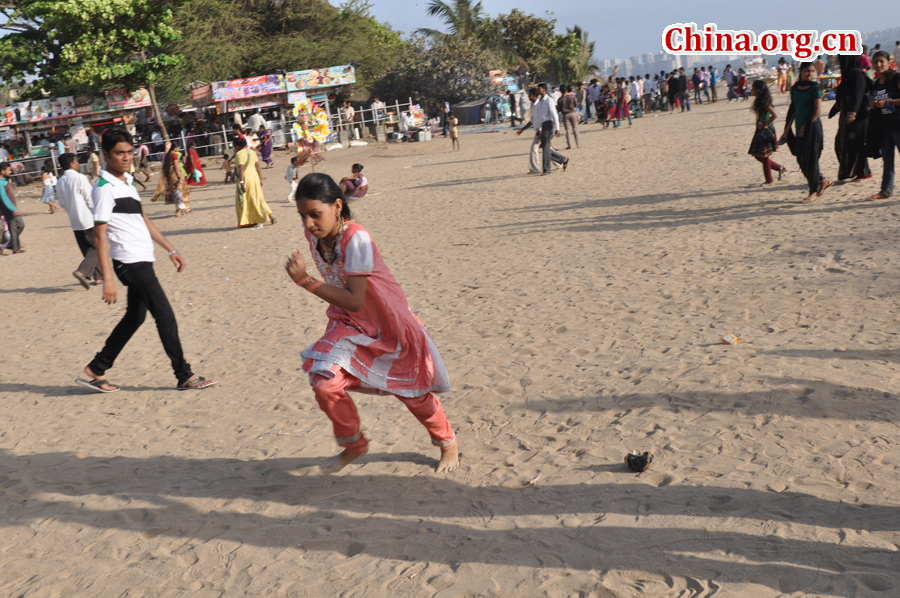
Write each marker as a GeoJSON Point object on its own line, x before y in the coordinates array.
{"type": "Point", "coordinates": [579, 316]}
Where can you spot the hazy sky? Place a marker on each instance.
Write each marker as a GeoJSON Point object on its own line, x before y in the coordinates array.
{"type": "Point", "coordinates": [622, 29]}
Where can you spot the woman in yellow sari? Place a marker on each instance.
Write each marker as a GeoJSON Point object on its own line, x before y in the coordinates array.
{"type": "Point", "coordinates": [251, 206]}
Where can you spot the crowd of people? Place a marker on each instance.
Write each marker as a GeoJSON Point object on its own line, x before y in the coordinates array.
{"type": "Point", "coordinates": [868, 123]}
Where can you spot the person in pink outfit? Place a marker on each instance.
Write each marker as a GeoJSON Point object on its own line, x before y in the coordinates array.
{"type": "Point", "coordinates": [373, 342]}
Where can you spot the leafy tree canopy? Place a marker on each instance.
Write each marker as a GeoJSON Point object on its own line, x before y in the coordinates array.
{"type": "Point", "coordinates": [222, 39]}
{"type": "Point", "coordinates": [528, 37]}
{"type": "Point", "coordinates": [444, 69]}
{"type": "Point", "coordinates": [77, 46]}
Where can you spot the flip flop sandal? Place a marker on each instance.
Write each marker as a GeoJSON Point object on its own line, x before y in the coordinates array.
{"type": "Point", "coordinates": [197, 384]}
{"type": "Point", "coordinates": [96, 384]}
{"type": "Point", "coordinates": [82, 279]}
{"type": "Point", "coordinates": [638, 461]}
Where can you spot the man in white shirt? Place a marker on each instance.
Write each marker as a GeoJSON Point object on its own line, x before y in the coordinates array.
{"type": "Point", "coordinates": [256, 121]}
{"type": "Point", "coordinates": [4, 153]}
{"type": "Point", "coordinates": [545, 121]}
{"type": "Point", "coordinates": [71, 145]}
{"type": "Point", "coordinates": [378, 110]}
{"type": "Point", "coordinates": [124, 234]}
{"type": "Point", "coordinates": [349, 115]}
{"type": "Point", "coordinates": [73, 191]}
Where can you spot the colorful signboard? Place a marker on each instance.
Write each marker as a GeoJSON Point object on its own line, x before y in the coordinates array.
{"type": "Point", "coordinates": [8, 115]}
{"type": "Point", "coordinates": [296, 97]}
{"type": "Point", "coordinates": [247, 88]}
{"type": "Point", "coordinates": [202, 96]}
{"type": "Point", "coordinates": [329, 77]}
{"type": "Point", "coordinates": [258, 102]}
{"type": "Point", "coordinates": [122, 99]}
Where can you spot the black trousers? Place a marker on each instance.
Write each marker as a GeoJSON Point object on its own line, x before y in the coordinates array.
{"type": "Point", "coordinates": [90, 265]}
{"type": "Point", "coordinates": [16, 225]}
{"type": "Point", "coordinates": [144, 293]}
{"type": "Point", "coordinates": [550, 154]}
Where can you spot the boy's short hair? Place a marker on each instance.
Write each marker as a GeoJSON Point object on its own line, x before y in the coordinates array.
{"type": "Point", "coordinates": [294, 160]}
{"type": "Point", "coordinates": [114, 136]}
{"type": "Point", "coordinates": [65, 161]}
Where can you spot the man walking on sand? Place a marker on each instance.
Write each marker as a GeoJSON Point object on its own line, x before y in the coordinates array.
{"type": "Point", "coordinates": [124, 234]}
{"type": "Point", "coordinates": [73, 191]}
{"type": "Point", "coordinates": [546, 124]}
{"type": "Point", "coordinates": [10, 210]}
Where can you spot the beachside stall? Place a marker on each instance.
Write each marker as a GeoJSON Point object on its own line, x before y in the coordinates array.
{"type": "Point", "coordinates": [321, 86]}
{"type": "Point", "coordinates": [32, 128]}
{"type": "Point", "coordinates": [244, 96]}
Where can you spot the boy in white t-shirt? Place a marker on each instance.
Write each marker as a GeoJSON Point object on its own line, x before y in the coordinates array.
{"type": "Point", "coordinates": [291, 177]}
{"type": "Point", "coordinates": [123, 234]}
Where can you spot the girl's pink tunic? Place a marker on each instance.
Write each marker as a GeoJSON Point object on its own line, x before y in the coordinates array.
{"type": "Point", "coordinates": [383, 344]}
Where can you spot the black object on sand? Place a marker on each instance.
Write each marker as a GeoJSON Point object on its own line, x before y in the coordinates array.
{"type": "Point", "coordinates": [638, 461]}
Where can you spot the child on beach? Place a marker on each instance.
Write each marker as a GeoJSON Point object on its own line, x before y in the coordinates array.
{"type": "Point", "coordinates": [373, 343]}
{"type": "Point", "coordinates": [357, 185]}
{"type": "Point", "coordinates": [226, 166]}
{"type": "Point", "coordinates": [49, 195]}
{"type": "Point", "coordinates": [454, 132]}
{"type": "Point", "coordinates": [291, 177]}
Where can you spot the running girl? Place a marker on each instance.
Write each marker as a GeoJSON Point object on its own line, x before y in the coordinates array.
{"type": "Point", "coordinates": [373, 343]}
{"type": "Point", "coordinates": [763, 144]}
{"type": "Point", "coordinates": [356, 185]}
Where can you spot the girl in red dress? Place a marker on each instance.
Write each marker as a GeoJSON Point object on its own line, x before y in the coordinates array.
{"type": "Point", "coordinates": [373, 342]}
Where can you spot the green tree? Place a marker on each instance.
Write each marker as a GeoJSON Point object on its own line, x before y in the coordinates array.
{"type": "Point", "coordinates": [434, 70]}
{"type": "Point", "coordinates": [527, 37]}
{"type": "Point", "coordinates": [222, 39]}
{"type": "Point", "coordinates": [465, 20]}
{"type": "Point", "coordinates": [570, 58]}
{"type": "Point", "coordinates": [77, 46]}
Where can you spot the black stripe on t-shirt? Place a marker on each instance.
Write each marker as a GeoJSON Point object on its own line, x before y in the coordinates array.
{"type": "Point", "coordinates": [127, 205]}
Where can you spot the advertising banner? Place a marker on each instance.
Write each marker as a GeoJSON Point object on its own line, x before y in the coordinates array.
{"type": "Point", "coordinates": [296, 97]}
{"type": "Point", "coordinates": [247, 88]}
{"type": "Point", "coordinates": [329, 77]}
{"type": "Point", "coordinates": [202, 96]}
{"type": "Point", "coordinates": [122, 99]}
{"type": "Point", "coordinates": [257, 102]}
{"type": "Point", "coordinates": [8, 115]}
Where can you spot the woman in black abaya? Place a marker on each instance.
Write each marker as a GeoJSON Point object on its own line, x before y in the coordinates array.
{"type": "Point", "coordinates": [853, 104]}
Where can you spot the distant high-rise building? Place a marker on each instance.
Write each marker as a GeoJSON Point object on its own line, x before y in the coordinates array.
{"type": "Point", "coordinates": [648, 58]}
{"type": "Point", "coordinates": [636, 60]}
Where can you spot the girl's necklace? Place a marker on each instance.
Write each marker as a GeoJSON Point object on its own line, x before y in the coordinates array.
{"type": "Point", "coordinates": [328, 253]}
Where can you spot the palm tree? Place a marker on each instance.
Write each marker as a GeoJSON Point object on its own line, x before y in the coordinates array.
{"type": "Point", "coordinates": [571, 59]}
{"type": "Point", "coordinates": [465, 20]}
{"type": "Point", "coordinates": [583, 61]}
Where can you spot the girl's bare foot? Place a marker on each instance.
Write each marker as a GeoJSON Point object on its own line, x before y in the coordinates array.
{"type": "Point", "coordinates": [342, 460]}
{"type": "Point", "coordinates": [449, 459]}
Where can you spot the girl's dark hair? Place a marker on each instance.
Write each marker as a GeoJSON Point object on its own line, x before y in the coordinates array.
{"type": "Point", "coordinates": [357, 167]}
{"type": "Point", "coordinates": [240, 142]}
{"type": "Point", "coordinates": [47, 168]}
{"type": "Point", "coordinates": [763, 96]}
{"type": "Point", "coordinates": [321, 187]}
{"type": "Point", "coordinates": [881, 54]}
